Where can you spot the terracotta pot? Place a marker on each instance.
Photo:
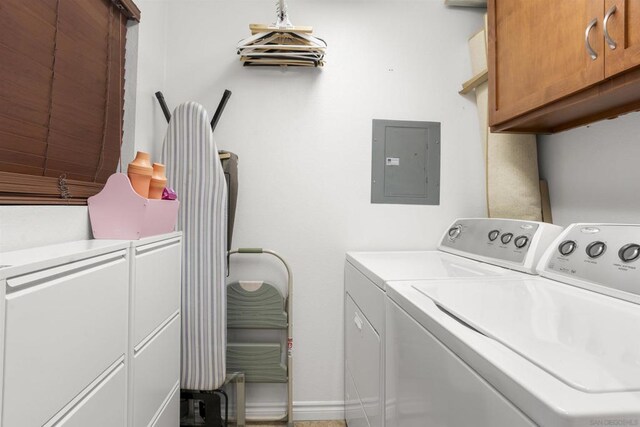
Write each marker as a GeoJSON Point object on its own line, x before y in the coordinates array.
{"type": "Point", "coordinates": [139, 172]}
{"type": "Point", "coordinates": [158, 181]}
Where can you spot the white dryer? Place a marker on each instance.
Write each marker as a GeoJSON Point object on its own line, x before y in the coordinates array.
{"type": "Point", "coordinates": [559, 350]}
{"type": "Point", "coordinates": [470, 249]}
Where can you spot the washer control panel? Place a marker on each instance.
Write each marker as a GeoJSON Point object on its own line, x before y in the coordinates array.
{"type": "Point", "coordinates": [604, 255]}
{"type": "Point", "coordinates": [509, 243]}
{"type": "Point", "coordinates": [507, 240]}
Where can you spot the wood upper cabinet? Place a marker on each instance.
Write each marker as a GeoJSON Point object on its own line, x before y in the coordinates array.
{"type": "Point", "coordinates": [623, 29]}
{"type": "Point", "coordinates": [554, 64]}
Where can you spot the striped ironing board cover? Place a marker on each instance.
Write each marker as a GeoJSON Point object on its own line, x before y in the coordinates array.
{"type": "Point", "coordinates": [194, 172]}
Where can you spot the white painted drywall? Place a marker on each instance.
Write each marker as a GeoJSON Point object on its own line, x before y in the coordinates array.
{"type": "Point", "coordinates": [593, 171]}
{"type": "Point", "coordinates": [150, 124]}
{"type": "Point", "coordinates": [24, 227]}
{"type": "Point", "coordinates": [304, 141]}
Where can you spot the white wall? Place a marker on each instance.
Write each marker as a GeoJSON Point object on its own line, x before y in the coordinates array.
{"type": "Point", "coordinates": [593, 171]}
{"type": "Point", "coordinates": [24, 227]}
{"type": "Point", "coordinates": [304, 140]}
{"type": "Point", "coordinates": [150, 124]}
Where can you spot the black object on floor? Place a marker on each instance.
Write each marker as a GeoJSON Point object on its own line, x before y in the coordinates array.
{"type": "Point", "coordinates": [208, 408]}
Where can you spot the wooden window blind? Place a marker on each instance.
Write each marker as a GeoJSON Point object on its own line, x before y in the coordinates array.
{"type": "Point", "coordinates": [61, 97]}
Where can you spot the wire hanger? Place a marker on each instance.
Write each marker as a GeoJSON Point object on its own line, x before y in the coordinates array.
{"type": "Point", "coordinates": [282, 43]}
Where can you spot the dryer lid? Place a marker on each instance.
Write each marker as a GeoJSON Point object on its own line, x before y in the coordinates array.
{"type": "Point", "coordinates": [589, 341]}
{"type": "Point", "coordinates": [382, 267]}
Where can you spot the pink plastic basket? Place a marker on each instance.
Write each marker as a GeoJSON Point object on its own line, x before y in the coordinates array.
{"type": "Point", "coordinates": [118, 212]}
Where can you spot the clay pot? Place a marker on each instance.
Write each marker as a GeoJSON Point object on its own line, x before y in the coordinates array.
{"type": "Point", "coordinates": [139, 172]}
{"type": "Point", "coordinates": [158, 181]}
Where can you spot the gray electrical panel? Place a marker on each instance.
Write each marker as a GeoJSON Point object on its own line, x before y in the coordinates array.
{"type": "Point", "coordinates": [405, 166]}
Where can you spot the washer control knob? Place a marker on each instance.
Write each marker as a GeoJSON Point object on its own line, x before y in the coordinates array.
{"type": "Point", "coordinates": [629, 252]}
{"type": "Point", "coordinates": [595, 249]}
{"type": "Point", "coordinates": [521, 241]}
{"type": "Point", "coordinates": [455, 231]}
{"type": "Point", "coordinates": [506, 238]}
{"type": "Point", "coordinates": [567, 247]}
{"type": "Point", "coordinates": [493, 234]}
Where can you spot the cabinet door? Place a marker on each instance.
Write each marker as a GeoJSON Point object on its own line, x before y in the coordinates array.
{"type": "Point", "coordinates": [623, 27]}
{"type": "Point", "coordinates": [537, 53]}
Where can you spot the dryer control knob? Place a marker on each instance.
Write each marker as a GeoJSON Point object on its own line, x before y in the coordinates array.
{"type": "Point", "coordinates": [493, 234]}
{"type": "Point", "coordinates": [521, 241]}
{"type": "Point", "coordinates": [567, 247]}
{"type": "Point", "coordinates": [629, 252]}
{"type": "Point", "coordinates": [595, 249]}
{"type": "Point", "coordinates": [455, 231]}
{"type": "Point", "coordinates": [506, 238]}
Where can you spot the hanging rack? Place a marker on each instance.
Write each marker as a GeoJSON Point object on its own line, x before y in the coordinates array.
{"type": "Point", "coordinates": [282, 43]}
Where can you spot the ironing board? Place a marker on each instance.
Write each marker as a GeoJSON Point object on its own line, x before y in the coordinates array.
{"type": "Point", "coordinates": [190, 155]}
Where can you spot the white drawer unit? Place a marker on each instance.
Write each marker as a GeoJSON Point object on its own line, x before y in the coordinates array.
{"type": "Point", "coordinates": [64, 318]}
{"type": "Point", "coordinates": [64, 327]}
{"type": "Point", "coordinates": [154, 350]}
{"type": "Point", "coordinates": [90, 334]}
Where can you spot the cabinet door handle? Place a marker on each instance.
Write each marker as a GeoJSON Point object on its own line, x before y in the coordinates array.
{"type": "Point", "coordinates": [592, 53]}
{"type": "Point", "coordinates": [612, 44]}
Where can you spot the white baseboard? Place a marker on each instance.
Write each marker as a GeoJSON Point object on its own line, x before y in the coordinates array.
{"type": "Point", "coordinates": [318, 410]}
{"type": "Point", "coordinates": [302, 411]}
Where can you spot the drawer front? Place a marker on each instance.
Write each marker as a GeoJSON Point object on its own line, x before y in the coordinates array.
{"type": "Point", "coordinates": [363, 350]}
{"type": "Point", "coordinates": [156, 371]}
{"type": "Point", "coordinates": [64, 327]}
{"type": "Point", "coordinates": [156, 286]}
{"type": "Point", "coordinates": [170, 416]}
{"type": "Point", "coordinates": [103, 407]}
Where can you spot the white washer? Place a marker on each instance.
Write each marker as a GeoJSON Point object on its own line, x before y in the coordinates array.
{"type": "Point", "coordinates": [469, 249]}
{"type": "Point", "coordinates": [560, 350]}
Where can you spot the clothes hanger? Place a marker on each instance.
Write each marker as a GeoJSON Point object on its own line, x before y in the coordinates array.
{"type": "Point", "coordinates": [282, 43]}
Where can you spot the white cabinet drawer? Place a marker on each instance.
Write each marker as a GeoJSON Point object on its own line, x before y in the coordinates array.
{"type": "Point", "coordinates": [64, 327]}
{"type": "Point", "coordinates": [156, 371]}
{"type": "Point", "coordinates": [363, 360]}
{"type": "Point", "coordinates": [103, 407]}
{"type": "Point", "coordinates": [170, 416]}
{"type": "Point", "coordinates": [156, 286]}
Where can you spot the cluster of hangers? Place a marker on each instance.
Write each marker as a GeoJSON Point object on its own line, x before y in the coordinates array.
{"type": "Point", "coordinates": [282, 44]}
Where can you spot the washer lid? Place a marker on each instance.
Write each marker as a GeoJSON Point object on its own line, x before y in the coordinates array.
{"type": "Point", "coordinates": [589, 341]}
{"type": "Point", "coordinates": [381, 267]}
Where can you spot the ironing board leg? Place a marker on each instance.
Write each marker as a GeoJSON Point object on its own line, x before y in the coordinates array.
{"type": "Point", "coordinates": [240, 401]}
